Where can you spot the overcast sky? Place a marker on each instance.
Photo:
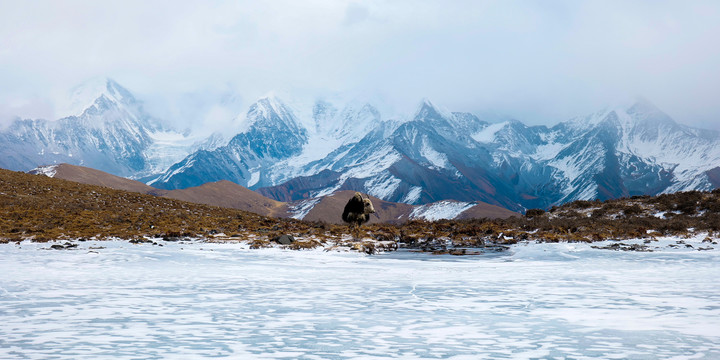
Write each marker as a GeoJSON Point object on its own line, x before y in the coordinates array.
{"type": "Point", "coordinates": [538, 61]}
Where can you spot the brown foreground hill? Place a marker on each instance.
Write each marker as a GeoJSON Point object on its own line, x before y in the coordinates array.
{"type": "Point", "coordinates": [41, 208]}
{"type": "Point", "coordinates": [221, 193]}
{"type": "Point", "coordinates": [228, 194]}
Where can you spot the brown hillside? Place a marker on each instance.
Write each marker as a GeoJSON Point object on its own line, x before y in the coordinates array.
{"type": "Point", "coordinates": [222, 193]}
{"type": "Point", "coordinates": [486, 211]}
{"type": "Point", "coordinates": [44, 208]}
{"type": "Point", "coordinates": [91, 176]}
{"type": "Point", "coordinates": [230, 195]}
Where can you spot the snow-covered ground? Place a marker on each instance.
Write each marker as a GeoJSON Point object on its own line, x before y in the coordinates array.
{"type": "Point", "coordinates": [197, 300]}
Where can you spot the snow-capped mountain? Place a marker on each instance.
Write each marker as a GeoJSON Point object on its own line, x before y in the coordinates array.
{"type": "Point", "coordinates": [438, 155]}
{"type": "Point", "coordinates": [273, 133]}
{"type": "Point", "coordinates": [632, 150]}
{"type": "Point", "coordinates": [416, 162]}
{"type": "Point", "coordinates": [105, 128]}
{"type": "Point", "coordinates": [292, 151]}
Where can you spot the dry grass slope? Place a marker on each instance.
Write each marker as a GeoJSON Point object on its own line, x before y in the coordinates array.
{"type": "Point", "coordinates": [41, 208]}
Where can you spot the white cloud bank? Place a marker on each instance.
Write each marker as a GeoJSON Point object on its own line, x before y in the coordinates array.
{"type": "Point", "coordinates": [539, 61]}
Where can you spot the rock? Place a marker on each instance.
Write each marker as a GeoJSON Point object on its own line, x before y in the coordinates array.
{"type": "Point", "coordinates": [66, 245]}
{"type": "Point", "coordinates": [140, 241]}
{"type": "Point", "coordinates": [284, 239]}
{"type": "Point", "coordinates": [626, 247]}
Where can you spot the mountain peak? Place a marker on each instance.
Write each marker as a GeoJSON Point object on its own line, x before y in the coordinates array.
{"type": "Point", "coordinates": [85, 95]}
{"type": "Point", "coordinates": [269, 111]}
{"type": "Point", "coordinates": [270, 104]}
{"type": "Point", "coordinates": [427, 110]}
{"type": "Point", "coordinates": [642, 108]}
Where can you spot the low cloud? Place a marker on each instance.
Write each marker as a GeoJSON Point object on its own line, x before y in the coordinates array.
{"type": "Point", "coordinates": [541, 62]}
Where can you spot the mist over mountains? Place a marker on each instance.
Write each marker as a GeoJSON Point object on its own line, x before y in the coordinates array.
{"type": "Point", "coordinates": [292, 151]}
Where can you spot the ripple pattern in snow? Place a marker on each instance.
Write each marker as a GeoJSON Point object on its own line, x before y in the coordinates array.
{"type": "Point", "coordinates": [203, 300]}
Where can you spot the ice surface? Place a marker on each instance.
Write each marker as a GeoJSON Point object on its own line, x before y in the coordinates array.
{"type": "Point", "coordinates": [446, 209]}
{"type": "Point", "coordinates": [200, 300]}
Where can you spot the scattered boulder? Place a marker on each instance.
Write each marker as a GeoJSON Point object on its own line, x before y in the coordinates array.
{"type": "Point", "coordinates": [625, 247]}
{"type": "Point", "coordinates": [66, 245]}
{"type": "Point", "coordinates": [140, 241]}
{"type": "Point", "coordinates": [284, 239]}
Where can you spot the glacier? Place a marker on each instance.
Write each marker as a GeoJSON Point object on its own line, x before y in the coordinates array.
{"type": "Point", "coordinates": [113, 299]}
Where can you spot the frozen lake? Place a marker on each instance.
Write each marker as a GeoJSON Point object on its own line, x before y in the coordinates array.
{"type": "Point", "coordinates": [564, 301]}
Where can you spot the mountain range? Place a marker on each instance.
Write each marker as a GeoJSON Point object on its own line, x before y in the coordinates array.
{"type": "Point", "coordinates": [299, 153]}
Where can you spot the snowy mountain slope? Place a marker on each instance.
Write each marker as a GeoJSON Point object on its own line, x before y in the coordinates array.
{"type": "Point", "coordinates": [107, 129]}
{"type": "Point", "coordinates": [277, 145]}
{"type": "Point", "coordinates": [273, 133]}
{"type": "Point", "coordinates": [294, 150]}
{"type": "Point", "coordinates": [438, 155]}
{"type": "Point", "coordinates": [408, 162]}
{"type": "Point", "coordinates": [631, 151]}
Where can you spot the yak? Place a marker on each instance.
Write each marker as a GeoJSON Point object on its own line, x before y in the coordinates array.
{"type": "Point", "coordinates": [357, 210]}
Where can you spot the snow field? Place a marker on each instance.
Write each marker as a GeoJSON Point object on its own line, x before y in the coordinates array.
{"type": "Point", "coordinates": [197, 300]}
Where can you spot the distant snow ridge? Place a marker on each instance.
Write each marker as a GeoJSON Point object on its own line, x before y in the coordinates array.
{"type": "Point", "coordinates": [446, 209]}
{"type": "Point", "coordinates": [49, 170]}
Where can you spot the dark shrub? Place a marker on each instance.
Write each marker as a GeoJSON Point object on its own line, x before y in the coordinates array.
{"type": "Point", "coordinates": [532, 213]}
{"type": "Point", "coordinates": [632, 210]}
{"type": "Point", "coordinates": [581, 204]}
